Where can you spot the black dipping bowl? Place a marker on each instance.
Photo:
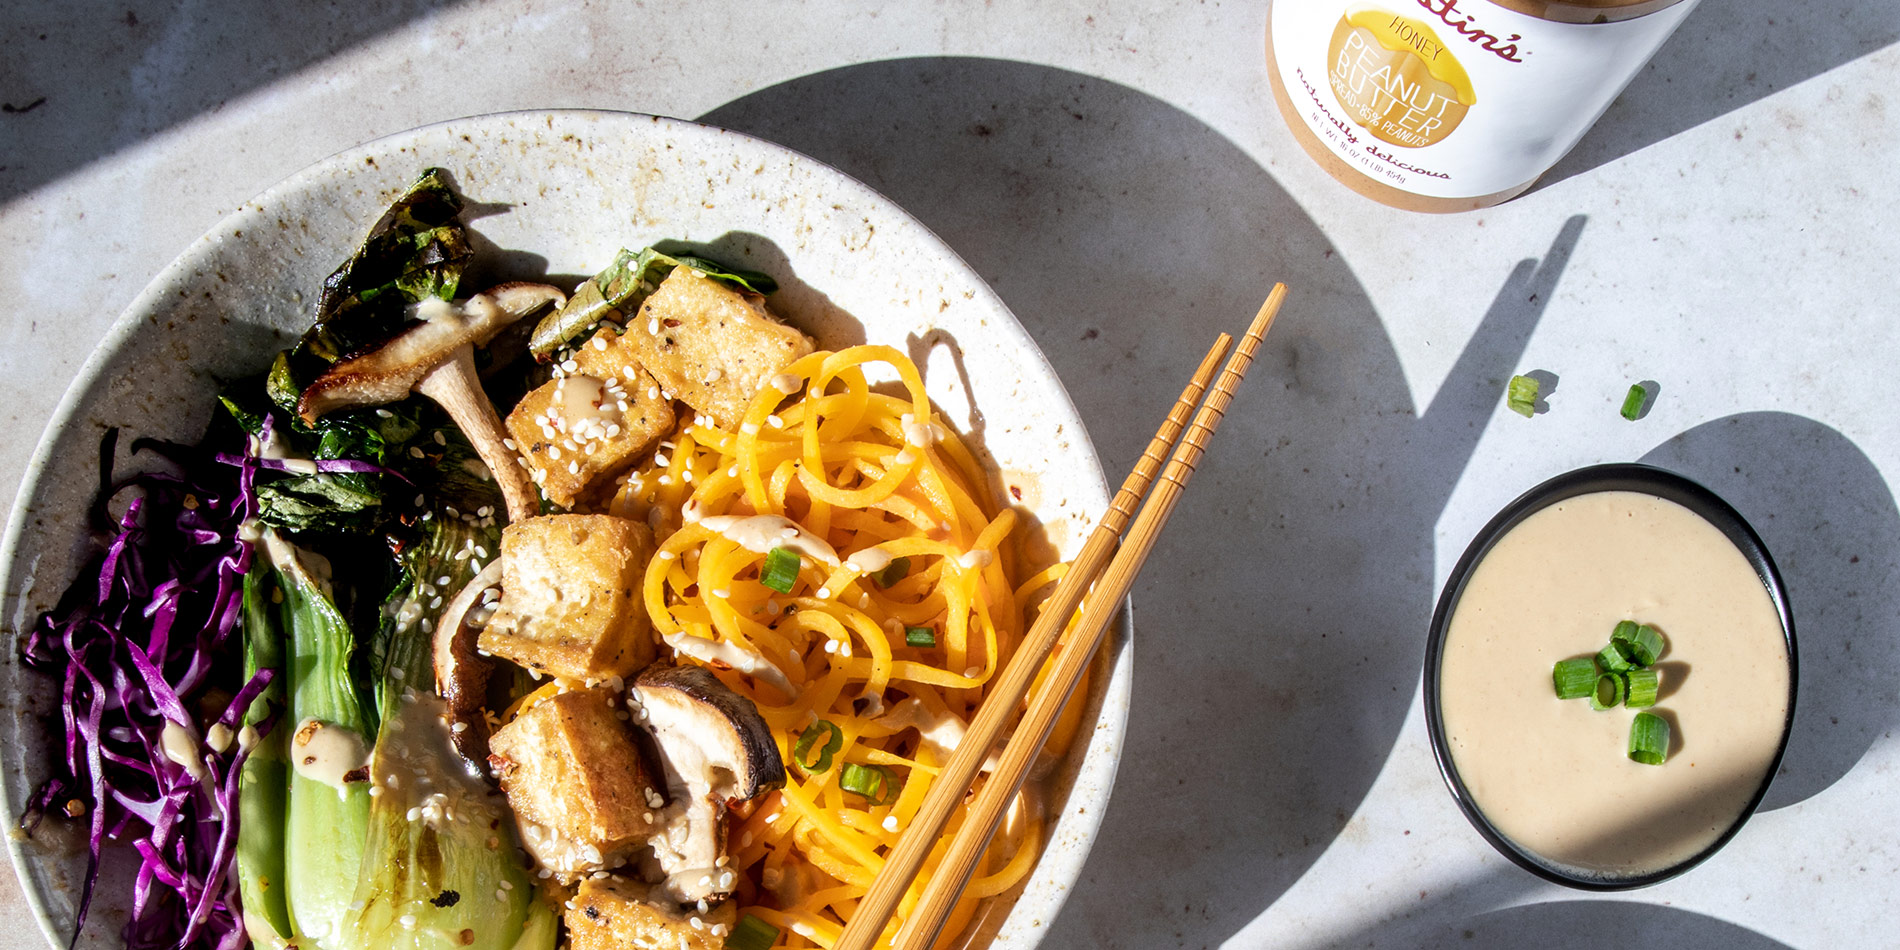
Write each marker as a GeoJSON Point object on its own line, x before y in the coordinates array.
{"type": "Point", "coordinates": [1630, 477]}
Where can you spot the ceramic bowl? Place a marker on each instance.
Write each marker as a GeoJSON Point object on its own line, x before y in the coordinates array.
{"type": "Point", "coordinates": [557, 193]}
{"type": "Point", "coordinates": [1644, 479]}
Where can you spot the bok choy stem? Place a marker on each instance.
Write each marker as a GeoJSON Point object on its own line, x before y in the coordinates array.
{"type": "Point", "coordinates": [327, 826]}
{"type": "Point", "coordinates": [263, 785]}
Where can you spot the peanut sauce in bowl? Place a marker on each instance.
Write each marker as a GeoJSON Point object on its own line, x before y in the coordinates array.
{"type": "Point", "coordinates": [1549, 782]}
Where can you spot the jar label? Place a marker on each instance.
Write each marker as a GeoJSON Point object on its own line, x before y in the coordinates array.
{"type": "Point", "coordinates": [1454, 100]}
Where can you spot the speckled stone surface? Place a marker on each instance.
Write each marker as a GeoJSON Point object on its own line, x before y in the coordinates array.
{"type": "Point", "coordinates": [1122, 180]}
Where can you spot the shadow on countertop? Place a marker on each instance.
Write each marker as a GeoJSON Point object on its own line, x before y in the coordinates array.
{"type": "Point", "coordinates": [1829, 520]}
{"type": "Point", "coordinates": [1288, 597]}
{"type": "Point", "coordinates": [82, 79]}
{"type": "Point", "coordinates": [1727, 54]}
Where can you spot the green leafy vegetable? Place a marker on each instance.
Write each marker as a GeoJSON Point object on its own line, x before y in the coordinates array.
{"type": "Point", "coordinates": [418, 249]}
{"type": "Point", "coordinates": [617, 292]}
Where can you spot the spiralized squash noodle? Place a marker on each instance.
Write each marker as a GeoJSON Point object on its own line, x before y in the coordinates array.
{"type": "Point", "coordinates": [858, 469]}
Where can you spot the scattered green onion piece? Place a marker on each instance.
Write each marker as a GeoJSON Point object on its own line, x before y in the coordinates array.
{"type": "Point", "coordinates": [1643, 645]}
{"type": "Point", "coordinates": [1633, 403]}
{"type": "Point", "coordinates": [1649, 739]}
{"type": "Point", "coordinates": [1521, 396]}
{"type": "Point", "coordinates": [1642, 689]}
{"type": "Point", "coordinates": [1609, 692]}
{"type": "Point", "coordinates": [897, 570]}
{"type": "Point", "coordinates": [781, 570]}
{"type": "Point", "coordinates": [1624, 630]}
{"type": "Point", "coordinates": [1574, 678]}
{"type": "Point", "coordinates": [920, 637]}
{"type": "Point", "coordinates": [751, 933]}
{"type": "Point", "coordinates": [875, 782]}
{"type": "Point", "coordinates": [809, 738]}
{"type": "Point", "coordinates": [1613, 659]}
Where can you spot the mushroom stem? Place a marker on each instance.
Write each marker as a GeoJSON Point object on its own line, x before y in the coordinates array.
{"type": "Point", "coordinates": [455, 386]}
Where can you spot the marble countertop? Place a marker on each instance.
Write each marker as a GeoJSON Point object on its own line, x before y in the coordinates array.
{"type": "Point", "coordinates": [1122, 179]}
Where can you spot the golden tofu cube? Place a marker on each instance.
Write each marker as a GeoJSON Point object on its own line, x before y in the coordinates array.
{"type": "Point", "coordinates": [580, 431]}
{"type": "Point", "coordinates": [570, 597]}
{"type": "Point", "coordinates": [569, 765]}
{"type": "Point", "coordinates": [709, 345]}
{"type": "Point", "coordinates": [612, 913]}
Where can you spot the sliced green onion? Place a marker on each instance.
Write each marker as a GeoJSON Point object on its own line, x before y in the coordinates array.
{"type": "Point", "coordinates": [1642, 688]}
{"type": "Point", "coordinates": [1609, 692]}
{"type": "Point", "coordinates": [833, 742]}
{"type": "Point", "coordinates": [897, 570]}
{"type": "Point", "coordinates": [1633, 403]}
{"type": "Point", "coordinates": [1642, 645]}
{"type": "Point", "coordinates": [920, 637]}
{"type": "Point", "coordinates": [751, 933]}
{"type": "Point", "coordinates": [1624, 630]}
{"type": "Point", "coordinates": [781, 570]}
{"type": "Point", "coordinates": [1521, 396]}
{"type": "Point", "coordinates": [1649, 739]}
{"type": "Point", "coordinates": [875, 782]}
{"type": "Point", "coordinates": [1613, 659]}
{"type": "Point", "coordinates": [1574, 678]}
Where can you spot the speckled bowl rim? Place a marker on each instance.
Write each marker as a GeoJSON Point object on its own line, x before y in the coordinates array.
{"type": "Point", "coordinates": [1085, 777]}
{"type": "Point", "coordinates": [1622, 476]}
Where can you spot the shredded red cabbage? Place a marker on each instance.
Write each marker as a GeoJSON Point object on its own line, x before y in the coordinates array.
{"type": "Point", "coordinates": [137, 642]}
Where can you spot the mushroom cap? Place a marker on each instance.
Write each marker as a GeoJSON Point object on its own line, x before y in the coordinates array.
{"type": "Point", "coordinates": [714, 748]}
{"type": "Point", "coordinates": [387, 373]}
{"type": "Point", "coordinates": [687, 704]}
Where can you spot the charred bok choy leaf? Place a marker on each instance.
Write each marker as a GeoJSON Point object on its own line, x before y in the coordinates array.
{"type": "Point", "coordinates": [617, 292]}
{"type": "Point", "coordinates": [441, 868]}
{"type": "Point", "coordinates": [418, 249]}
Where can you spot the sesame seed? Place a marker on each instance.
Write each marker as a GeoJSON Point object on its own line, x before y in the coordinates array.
{"type": "Point", "coordinates": [569, 366]}
{"type": "Point", "coordinates": [415, 452]}
{"type": "Point", "coordinates": [509, 443]}
{"type": "Point", "coordinates": [385, 414]}
{"type": "Point", "coordinates": [600, 342]}
{"type": "Point", "coordinates": [440, 439]}
{"type": "Point", "coordinates": [890, 822]}
{"type": "Point", "coordinates": [774, 421]}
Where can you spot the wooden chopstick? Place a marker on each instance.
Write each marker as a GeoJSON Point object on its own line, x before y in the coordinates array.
{"type": "Point", "coordinates": [1012, 684]}
{"type": "Point", "coordinates": [901, 866]}
{"type": "Point", "coordinates": [979, 826]}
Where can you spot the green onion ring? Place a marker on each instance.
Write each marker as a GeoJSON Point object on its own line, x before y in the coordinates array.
{"type": "Point", "coordinates": [1642, 688]}
{"type": "Point", "coordinates": [781, 570]}
{"type": "Point", "coordinates": [920, 637]}
{"type": "Point", "coordinates": [1649, 739]}
{"type": "Point", "coordinates": [809, 738]}
{"type": "Point", "coordinates": [1613, 659]}
{"type": "Point", "coordinates": [751, 933]}
{"type": "Point", "coordinates": [875, 782]}
{"type": "Point", "coordinates": [1617, 686]}
{"type": "Point", "coordinates": [1574, 678]}
{"type": "Point", "coordinates": [1643, 645]}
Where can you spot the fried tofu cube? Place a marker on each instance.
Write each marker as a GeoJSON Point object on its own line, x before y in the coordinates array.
{"type": "Point", "coordinates": [575, 780]}
{"type": "Point", "coordinates": [709, 345]}
{"type": "Point", "coordinates": [580, 431]}
{"type": "Point", "coordinates": [613, 913]}
{"type": "Point", "coordinates": [570, 602]}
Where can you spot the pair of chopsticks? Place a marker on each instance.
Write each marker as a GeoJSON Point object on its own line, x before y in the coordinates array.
{"type": "Point", "coordinates": [1111, 578]}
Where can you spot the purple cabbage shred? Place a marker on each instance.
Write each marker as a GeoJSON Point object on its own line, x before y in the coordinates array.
{"type": "Point", "coordinates": [149, 635]}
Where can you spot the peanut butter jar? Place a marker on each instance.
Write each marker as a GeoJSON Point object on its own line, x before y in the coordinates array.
{"type": "Point", "coordinates": [1453, 105]}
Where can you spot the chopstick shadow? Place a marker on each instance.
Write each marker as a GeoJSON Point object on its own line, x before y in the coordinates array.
{"type": "Point", "coordinates": [1726, 55]}
{"type": "Point", "coordinates": [1281, 620]}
